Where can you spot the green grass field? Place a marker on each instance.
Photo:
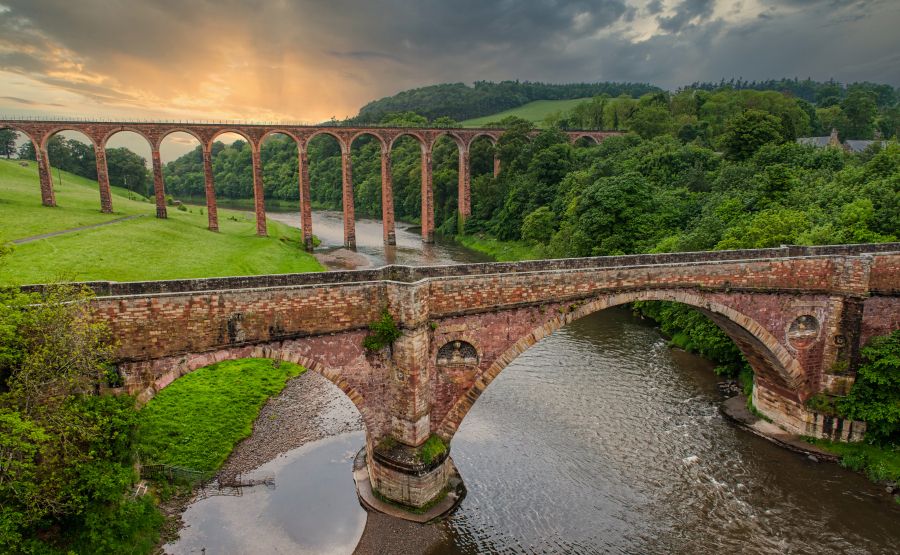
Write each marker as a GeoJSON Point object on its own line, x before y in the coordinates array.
{"type": "Point", "coordinates": [139, 249]}
{"type": "Point", "coordinates": [533, 111]}
{"type": "Point", "coordinates": [501, 251]}
{"type": "Point", "coordinates": [197, 420]}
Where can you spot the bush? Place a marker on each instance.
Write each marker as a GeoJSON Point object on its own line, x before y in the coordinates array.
{"type": "Point", "coordinates": [875, 397]}
{"type": "Point", "coordinates": [384, 332]}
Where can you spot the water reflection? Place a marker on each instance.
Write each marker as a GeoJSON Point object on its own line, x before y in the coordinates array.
{"type": "Point", "coordinates": [312, 508]}
{"type": "Point", "coordinates": [328, 226]}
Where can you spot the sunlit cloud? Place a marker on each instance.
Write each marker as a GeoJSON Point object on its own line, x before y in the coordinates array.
{"type": "Point", "coordinates": [310, 61]}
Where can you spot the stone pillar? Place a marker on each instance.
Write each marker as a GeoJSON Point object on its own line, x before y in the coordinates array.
{"type": "Point", "coordinates": [159, 186]}
{"type": "Point", "coordinates": [347, 189]}
{"type": "Point", "coordinates": [48, 197]}
{"type": "Point", "coordinates": [259, 201]}
{"type": "Point", "coordinates": [305, 201]}
{"type": "Point", "coordinates": [103, 180]}
{"type": "Point", "coordinates": [496, 165]}
{"type": "Point", "coordinates": [387, 197]}
{"type": "Point", "coordinates": [464, 200]}
{"type": "Point", "coordinates": [427, 197]}
{"type": "Point", "coordinates": [212, 211]}
{"type": "Point", "coordinates": [395, 466]}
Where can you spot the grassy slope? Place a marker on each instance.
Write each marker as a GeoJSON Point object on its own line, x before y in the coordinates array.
{"type": "Point", "coordinates": [533, 111]}
{"type": "Point", "coordinates": [501, 251]}
{"type": "Point", "coordinates": [197, 420]}
{"type": "Point", "coordinates": [138, 249]}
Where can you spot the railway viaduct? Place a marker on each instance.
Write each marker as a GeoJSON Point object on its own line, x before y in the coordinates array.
{"type": "Point", "coordinates": [99, 133]}
{"type": "Point", "coordinates": [798, 314]}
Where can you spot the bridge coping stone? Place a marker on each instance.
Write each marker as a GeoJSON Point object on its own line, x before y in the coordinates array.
{"type": "Point", "coordinates": [415, 274]}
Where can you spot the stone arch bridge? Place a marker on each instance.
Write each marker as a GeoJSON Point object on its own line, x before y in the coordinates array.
{"type": "Point", "coordinates": [799, 315]}
{"type": "Point", "coordinates": [99, 133]}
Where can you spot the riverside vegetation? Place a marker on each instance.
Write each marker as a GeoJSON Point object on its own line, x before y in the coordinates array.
{"type": "Point", "coordinates": [68, 450]}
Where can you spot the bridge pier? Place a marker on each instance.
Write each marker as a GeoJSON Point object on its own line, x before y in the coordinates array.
{"type": "Point", "coordinates": [103, 179]}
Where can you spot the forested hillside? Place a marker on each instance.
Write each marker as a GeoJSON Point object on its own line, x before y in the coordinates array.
{"type": "Point", "coordinates": [459, 101]}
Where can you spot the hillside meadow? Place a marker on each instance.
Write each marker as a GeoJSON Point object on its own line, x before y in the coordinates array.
{"type": "Point", "coordinates": [142, 248]}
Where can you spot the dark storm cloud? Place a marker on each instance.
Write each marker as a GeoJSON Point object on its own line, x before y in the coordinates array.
{"type": "Point", "coordinates": [685, 12]}
{"type": "Point", "coordinates": [268, 53]}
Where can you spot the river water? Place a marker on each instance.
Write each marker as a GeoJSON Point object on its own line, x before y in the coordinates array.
{"type": "Point", "coordinates": [598, 439]}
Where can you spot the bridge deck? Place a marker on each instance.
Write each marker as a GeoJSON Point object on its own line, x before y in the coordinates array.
{"type": "Point", "coordinates": [412, 274]}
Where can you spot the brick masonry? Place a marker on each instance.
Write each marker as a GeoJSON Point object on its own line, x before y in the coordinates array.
{"type": "Point", "coordinates": [799, 314]}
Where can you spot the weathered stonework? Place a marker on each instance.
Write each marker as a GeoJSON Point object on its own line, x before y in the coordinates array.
{"type": "Point", "coordinates": [40, 132]}
{"type": "Point", "coordinates": [798, 314]}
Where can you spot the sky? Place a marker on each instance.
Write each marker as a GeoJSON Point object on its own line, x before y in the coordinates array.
{"type": "Point", "coordinates": [303, 61]}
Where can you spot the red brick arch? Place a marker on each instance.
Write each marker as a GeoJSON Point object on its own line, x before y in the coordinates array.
{"type": "Point", "coordinates": [53, 131]}
{"type": "Point", "coordinates": [236, 131]}
{"type": "Point", "coordinates": [372, 134]}
{"type": "Point", "coordinates": [415, 135]}
{"type": "Point", "coordinates": [203, 143]}
{"type": "Point", "coordinates": [22, 131]}
{"type": "Point", "coordinates": [277, 131]}
{"type": "Point", "coordinates": [472, 139]}
{"type": "Point", "coordinates": [340, 140]}
{"type": "Point", "coordinates": [191, 363]}
{"type": "Point", "coordinates": [460, 143]}
{"type": "Point", "coordinates": [764, 351]}
{"type": "Point", "coordinates": [125, 129]}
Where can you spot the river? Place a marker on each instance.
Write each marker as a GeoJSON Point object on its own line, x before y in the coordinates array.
{"type": "Point", "coordinates": [598, 439]}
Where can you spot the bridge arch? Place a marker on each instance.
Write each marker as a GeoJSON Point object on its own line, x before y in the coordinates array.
{"type": "Point", "coordinates": [479, 135]}
{"type": "Point", "coordinates": [414, 134]}
{"type": "Point", "coordinates": [194, 362]}
{"type": "Point", "coordinates": [340, 141]}
{"type": "Point", "coordinates": [279, 131]}
{"type": "Point", "coordinates": [169, 131]}
{"type": "Point", "coordinates": [104, 141]}
{"type": "Point", "coordinates": [766, 354]}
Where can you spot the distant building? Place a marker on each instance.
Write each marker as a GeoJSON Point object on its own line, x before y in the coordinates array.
{"type": "Point", "coordinates": [850, 145]}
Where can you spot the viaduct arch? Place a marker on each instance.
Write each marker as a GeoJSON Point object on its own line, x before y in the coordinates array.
{"type": "Point", "coordinates": [98, 132]}
{"type": "Point", "coordinates": [799, 314]}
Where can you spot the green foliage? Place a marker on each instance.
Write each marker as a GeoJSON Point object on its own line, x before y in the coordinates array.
{"type": "Point", "coordinates": [65, 452]}
{"type": "Point", "coordinates": [692, 331]}
{"type": "Point", "coordinates": [539, 226]}
{"type": "Point", "coordinates": [748, 132]}
{"type": "Point", "coordinates": [879, 463]}
{"type": "Point", "coordinates": [461, 102]}
{"type": "Point", "coordinates": [384, 332]}
{"type": "Point", "coordinates": [197, 420]}
{"type": "Point", "coordinates": [875, 396]}
{"type": "Point", "coordinates": [432, 449]}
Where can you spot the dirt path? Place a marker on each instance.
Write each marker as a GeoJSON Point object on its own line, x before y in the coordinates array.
{"type": "Point", "coordinates": [73, 230]}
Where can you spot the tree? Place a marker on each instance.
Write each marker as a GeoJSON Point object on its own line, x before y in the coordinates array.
{"type": "Point", "coordinates": [128, 170]}
{"type": "Point", "coordinates": [65, 451]}
{"type": "Point", "coordinates": [875, 396]}
{"type": "Point", "coordinates": [8, 142]}
{"type": "Point", "coordinates": [651, 120]}
{"type": "Point", "coordinates": [538, 226]}
{"type": "Point", "coordinates": [746, 133]}
{"type": "Point", "coordinates": [860, 109]}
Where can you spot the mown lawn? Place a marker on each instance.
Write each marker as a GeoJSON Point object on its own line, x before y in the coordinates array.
{"type": "Point", "coordinates": [533, 111]}
{"type": "Point", "coordinates": [197, 420]}
{"type": "Point", "coordinates": [144, 248]}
